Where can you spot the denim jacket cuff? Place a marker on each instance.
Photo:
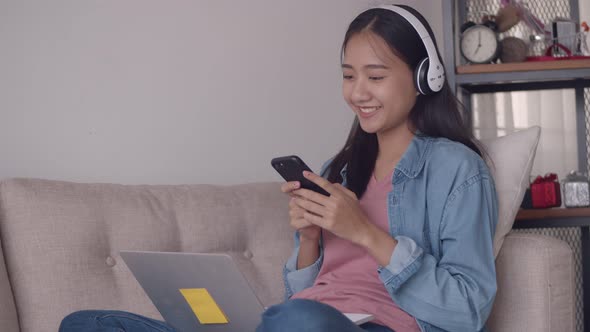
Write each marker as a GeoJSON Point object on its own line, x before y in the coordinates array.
{"type": "Point", "coordinates": [405, 261]}
{"type": "Point", "coordinates": [298, 280]}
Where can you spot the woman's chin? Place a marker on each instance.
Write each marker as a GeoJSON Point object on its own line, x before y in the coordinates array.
{"type": "Point", "coordinates": [368, 129]}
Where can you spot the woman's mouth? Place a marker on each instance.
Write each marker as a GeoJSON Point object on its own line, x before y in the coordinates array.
{"type": "Point", "coordinates": [368, 111]}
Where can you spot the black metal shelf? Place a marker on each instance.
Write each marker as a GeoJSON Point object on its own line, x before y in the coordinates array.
{"type": "Point", "coordinates": [577, 74]}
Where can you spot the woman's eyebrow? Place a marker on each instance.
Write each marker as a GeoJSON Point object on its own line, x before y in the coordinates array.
{"type": "Point", "coordinates": [370, 66]}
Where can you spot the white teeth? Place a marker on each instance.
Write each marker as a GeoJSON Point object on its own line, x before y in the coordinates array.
{"type": "Point", "coordinates": [369, 109]}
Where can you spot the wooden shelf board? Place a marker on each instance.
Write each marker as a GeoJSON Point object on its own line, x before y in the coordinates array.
{"type": "Point", "coordinates": [524, 66]}
{"type": "Point", "coordinates": [552, 213]}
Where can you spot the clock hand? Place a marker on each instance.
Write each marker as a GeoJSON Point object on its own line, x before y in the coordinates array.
{"type": "Point", "coordinates": [478, 38]}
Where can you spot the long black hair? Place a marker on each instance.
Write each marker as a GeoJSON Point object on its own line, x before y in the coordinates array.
{"type": "Point", "coordinates": [434, 115]}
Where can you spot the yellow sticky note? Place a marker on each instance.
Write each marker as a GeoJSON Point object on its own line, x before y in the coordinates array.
{"type": "Point", "coordinates": [203, 305]}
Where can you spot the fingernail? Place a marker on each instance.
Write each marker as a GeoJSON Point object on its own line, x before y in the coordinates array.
{"type": "Point", "coordinates": [296, 184]}
{"type": "Point", "coordinates": [305, 173]}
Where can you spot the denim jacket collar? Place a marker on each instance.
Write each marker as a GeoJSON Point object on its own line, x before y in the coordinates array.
{"type": "Point", "coordinates": [412, 160]}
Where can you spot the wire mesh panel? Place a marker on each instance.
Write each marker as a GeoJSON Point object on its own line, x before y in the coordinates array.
{"type": "Point", "coordinates": [545, 10]}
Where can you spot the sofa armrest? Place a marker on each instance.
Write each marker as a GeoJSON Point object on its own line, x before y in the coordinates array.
{"type": "Point", "coordinates": [535, 285]}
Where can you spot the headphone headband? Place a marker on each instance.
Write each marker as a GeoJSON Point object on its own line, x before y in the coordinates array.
{"type": "Point", "coordinates": [435, 75]}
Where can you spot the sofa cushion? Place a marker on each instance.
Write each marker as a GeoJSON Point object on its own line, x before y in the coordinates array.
{"type": "Point", "coordinates": [512, 159]}
{"type": "Point", "coordinates": [62, 240]}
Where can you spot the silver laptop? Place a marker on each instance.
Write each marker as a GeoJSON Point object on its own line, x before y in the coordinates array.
{"type": "Point", "coordinates": [163, 274]}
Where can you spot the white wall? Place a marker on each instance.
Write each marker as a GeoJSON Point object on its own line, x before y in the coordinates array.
{"type": "Point", "coordinates": [183, 91]}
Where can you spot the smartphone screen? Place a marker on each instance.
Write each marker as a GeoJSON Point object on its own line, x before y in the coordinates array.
{"type": "Point", "coordinates": [291, 169]}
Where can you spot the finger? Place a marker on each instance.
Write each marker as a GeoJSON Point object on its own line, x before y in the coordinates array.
{"type": "Point", "coordinates": [320, 181]}
{"type": "Point", "coordinates": [287, 187]}
{"type": "Point", "coordinates": [296, 213]}
{"type": "Point", "coordinates": [294, 210]}
{"type": "Point", "coordinates": [292, 194]}
{"type": "Point", "coordinates": [312, 196]}
{"type": "Point", "coordinates": [345, 190]}
{"type": "Point", "coordinates": [310, 206]}
{"type": "Point", "coordinates": [313, 219]}
{"type": "Point", "coordinates": [293, 203]}
{"type": "Point", "coordinates": [299, 223]}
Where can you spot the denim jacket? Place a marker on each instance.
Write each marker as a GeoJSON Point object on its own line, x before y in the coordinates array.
{"type": "Point", "coordinates": [443, 213]}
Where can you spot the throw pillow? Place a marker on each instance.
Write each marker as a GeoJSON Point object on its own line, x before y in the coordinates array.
{"type": "Point", "coordinates": [512, 159]}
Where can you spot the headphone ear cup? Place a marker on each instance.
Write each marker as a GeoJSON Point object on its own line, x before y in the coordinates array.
{"type": "Point", "coordinates": [420, 77]}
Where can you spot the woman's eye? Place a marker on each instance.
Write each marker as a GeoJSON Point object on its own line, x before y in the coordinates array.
{"type": "Point", "coordinates": [376, 78]}
{"type": "Point", "coordinates": [347, 77]}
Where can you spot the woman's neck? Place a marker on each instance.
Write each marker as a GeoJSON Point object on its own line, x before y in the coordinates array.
{"type": "Point", "coordinates": [393, 144]}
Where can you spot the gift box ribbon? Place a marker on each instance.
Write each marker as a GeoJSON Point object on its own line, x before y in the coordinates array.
{"type": "Point", "coordinates": [551, 177]}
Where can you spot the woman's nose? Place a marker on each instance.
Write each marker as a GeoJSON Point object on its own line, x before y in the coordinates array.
{"type": "Point", "coordinates": [360, 93]}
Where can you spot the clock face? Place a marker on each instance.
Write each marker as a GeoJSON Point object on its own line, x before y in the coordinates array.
{"type": "Point", "coordinates": [479, 44]}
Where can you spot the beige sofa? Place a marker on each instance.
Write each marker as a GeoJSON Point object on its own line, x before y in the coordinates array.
{"type": "Point", "coordinates": [60, 249]}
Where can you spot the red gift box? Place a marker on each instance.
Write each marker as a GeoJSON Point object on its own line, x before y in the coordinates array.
{"type": "Point", "coordinates": [545, 192]}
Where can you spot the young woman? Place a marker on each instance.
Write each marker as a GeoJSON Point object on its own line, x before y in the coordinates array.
{"type": "Point", "coordinates": [406, 233]}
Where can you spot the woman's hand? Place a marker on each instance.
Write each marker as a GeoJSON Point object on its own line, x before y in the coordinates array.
{"type": "Point", "coordinates": [307, 231]}
{"type": "Point", "coordinates": [340, 213]}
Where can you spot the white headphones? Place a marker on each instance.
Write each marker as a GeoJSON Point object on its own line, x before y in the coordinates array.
{"type": "Point", "coordinates": [429, 75]}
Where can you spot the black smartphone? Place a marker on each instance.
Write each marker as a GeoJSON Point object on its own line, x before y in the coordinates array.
{"type": "Point", "coordinates": [291, 169]}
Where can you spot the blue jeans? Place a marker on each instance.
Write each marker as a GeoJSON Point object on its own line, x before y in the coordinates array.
{"type": "Point", "coordinates": [310, 316]}
{"type": "Point", "coordinates": [293, 315]}
{"type": "Point", "coordinates": [111, 321]}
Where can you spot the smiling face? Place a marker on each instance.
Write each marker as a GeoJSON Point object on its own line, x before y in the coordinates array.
{"type": "Point", "coordinates": [378, 85]}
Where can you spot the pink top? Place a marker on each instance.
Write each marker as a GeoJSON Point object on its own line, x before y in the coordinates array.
{"type": "Point", "coordinates": [348, 278]}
